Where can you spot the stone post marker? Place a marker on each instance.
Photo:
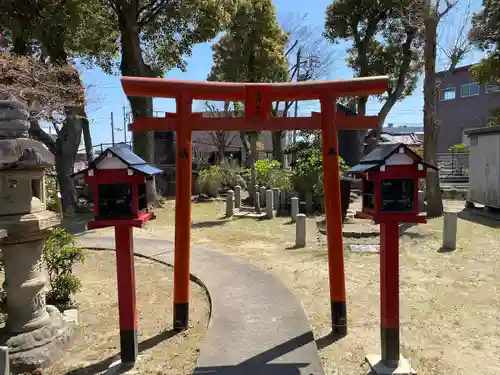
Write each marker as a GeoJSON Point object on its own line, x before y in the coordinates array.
{"type": "Point", "coordinates": [450, 230]}
{"type": "Point", "coordinates": [36, 335]}
{"type": "Point", "coordinates": [300, 231]}
{"type": "Point", "coordinates": [276, 198]}
{"type": "Point", "coordinates": [294, 209]}
{"type": "Point", "coordinates": [257, 203]}
{"type": "Point", "coordinates": [237, 196]}
{"type": "Point", "coordinates": [263, 197]}
{"type": "Point", "coordinates": [229, 203]}
{"type": "Point", "coordinates": [269, 204]}
{"type": "Point", "coordinates": [283, 200]}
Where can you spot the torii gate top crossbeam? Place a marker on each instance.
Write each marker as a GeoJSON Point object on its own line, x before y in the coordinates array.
{"type": "Point", "coordinates": [229, 91]}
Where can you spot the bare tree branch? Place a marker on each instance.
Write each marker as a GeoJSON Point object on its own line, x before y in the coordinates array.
{"type": "Point", "coordinates": [39, 134]}
{"type": "Point", "coordinates": [449, 6]}
{"type": "Point", "coordinates": [459, 46]}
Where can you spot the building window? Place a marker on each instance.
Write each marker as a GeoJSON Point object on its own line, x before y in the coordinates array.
{"type": "Point", "coordinates": [492, 88]}
{"type": "Point", "coordinates": [469, 89]}
{"type": "Point", "coordinates": [447, 94]}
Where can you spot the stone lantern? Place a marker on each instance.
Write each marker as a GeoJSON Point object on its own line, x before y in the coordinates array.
{"type": "Point", "coordinates": [35, 334]}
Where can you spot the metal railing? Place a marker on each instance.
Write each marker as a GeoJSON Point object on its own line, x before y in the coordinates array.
{"type": "Point", "coordinates": [453, 166]}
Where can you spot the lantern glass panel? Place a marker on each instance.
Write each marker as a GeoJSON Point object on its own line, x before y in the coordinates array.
{"type": "Point", "coordinates": [115, 200]}
{"type": "Point", "coordinates": [368, 194]}
{"type": "Point", "coordinates": [398, 195]}
{"type": "Point", "coordinates": [143, 203]}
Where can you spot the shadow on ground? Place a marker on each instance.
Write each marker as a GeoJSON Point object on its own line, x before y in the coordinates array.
{"type": "Point", "coordinates": [327, 340]}
{"type": "Point", "coordinates": [443, 249]}
{"type": "Point", "coordinates": [209, 223]}
{"type": "Point", "coordinates": [259, 364]}
{"type": "Point", "coordinates": [478, 216]}
{"type": "Point", "coordinates": [103, 365]}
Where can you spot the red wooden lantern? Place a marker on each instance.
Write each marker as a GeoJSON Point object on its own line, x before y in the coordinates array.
{"type": "Point", "coordinates": [390, 175]}
{"type": "Point", "coordinates": [118, 177]}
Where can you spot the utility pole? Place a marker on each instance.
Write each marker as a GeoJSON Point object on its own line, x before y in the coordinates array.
{"type": "Point", "coordinates": [125, 124]}
{"type": "Point", "coordinates": [112, 130]}
{"type": "Point", "coordinates": [297, 72]}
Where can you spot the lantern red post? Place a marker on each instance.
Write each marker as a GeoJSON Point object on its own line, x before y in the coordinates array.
{"type": "Point", "coordinates": [126, 293]}
{"type": "Point", "coordinates": [389, 291]}
{"type": "Point", "coordinates": [390, 176]}
{"type": "Point", "coordinates": [117, 176]}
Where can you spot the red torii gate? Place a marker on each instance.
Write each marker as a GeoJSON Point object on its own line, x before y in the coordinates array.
{"type": "Point", "coordinates": [257, 98]}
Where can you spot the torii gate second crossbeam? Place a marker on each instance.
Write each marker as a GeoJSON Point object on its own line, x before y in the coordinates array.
{"type": "Point", "coordinates": [257, 99]}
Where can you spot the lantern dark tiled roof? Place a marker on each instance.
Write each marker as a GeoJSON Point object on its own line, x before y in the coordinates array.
{"type": "Point", "coordinates": [126, 155]}
{"type": "Point", "coordinates": [379, 155]}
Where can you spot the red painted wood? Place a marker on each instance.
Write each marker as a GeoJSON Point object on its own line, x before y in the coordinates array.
{"type": "Point", "coordinates": [183, 202]}
{"type": "Point", "coordinates": [240, 123]}
{"type": "Point", "coordinates": [333, 210]}
{"type": "Point", "coordinates": [125, 277]}
{"type": "Point", "coordinates": [138, 222]}
{"type": "Point", "coordinates": [257, 119]}
{"type": "Point", "coordinates": [229, 91]}
{"type": "Point", "coordinates": [399, 217]}
{"type": "Point", "coordinates": [113, 176]}
{"type": "Point", "coordinates": [389, 274]}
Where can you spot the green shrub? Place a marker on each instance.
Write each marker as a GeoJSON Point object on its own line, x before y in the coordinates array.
{"type": "Point", "coordinates": [230, 174]}
{"type": "Point", "coordinates": [60, 255]}
{"type": "Point", "coordinates": [51, 190]}
{"type": "Point", "coordinates": [213, 179]}
{"type": "Point", "coordinates": [459, 148]}
{"type": "Point", "coordinates": [270, 175]}
{"type": "Point", "coordinates": [418, 150]}
{"type": "Point", "coordinates": [210, 181]}
{"type": "Point", "coordinates": [307, 174]}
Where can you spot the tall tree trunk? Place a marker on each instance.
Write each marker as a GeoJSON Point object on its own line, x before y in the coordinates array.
{"type": "Point", "coordinates": [69, 136]}
{"type": "Point", "coordinates": [246, 149]}
{"type": "Point", "coordinates": [433, 191]}
{"type": "Point", "coordinates": [67, 143]}
{"type": "Point", "coordinates": [277, 137]}
{"type": "Point", "coordinates": [132, 64]}
{"type": "Point", "coordinates": [384, 112]}
{"type": "Point", "coordinates": [351, 142]}
{"type": "Point", "coordinates": [87, 139]}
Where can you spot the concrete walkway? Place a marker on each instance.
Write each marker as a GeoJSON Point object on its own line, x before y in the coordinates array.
{"type": "Point", "coordinates": [257, 325]}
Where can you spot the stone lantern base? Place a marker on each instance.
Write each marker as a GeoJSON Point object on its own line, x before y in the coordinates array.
{"type": "Point", "coordinates": [36, 334]}
{"type": "Point", "coordinates": [43, 346]}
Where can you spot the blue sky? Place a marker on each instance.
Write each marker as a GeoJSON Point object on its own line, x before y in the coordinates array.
{"type": "Point", "coordinates": [105, 94]}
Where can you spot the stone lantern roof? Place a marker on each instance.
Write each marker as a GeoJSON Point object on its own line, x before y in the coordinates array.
{"type": "Point", "coordinates": [17, 151]}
